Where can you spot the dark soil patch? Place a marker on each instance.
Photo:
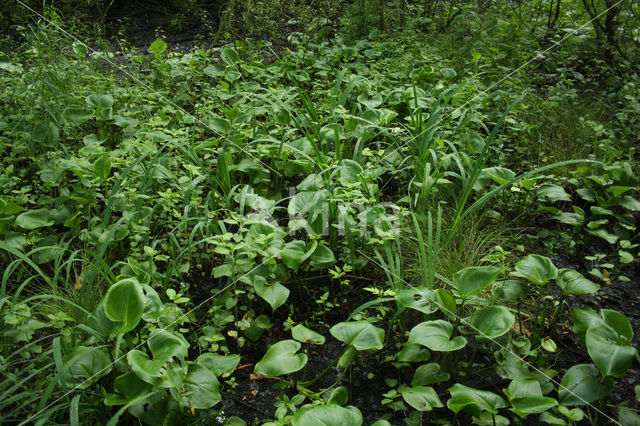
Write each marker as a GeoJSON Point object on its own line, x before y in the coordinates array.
{"type": "Point", "coordinates": [182, 30]}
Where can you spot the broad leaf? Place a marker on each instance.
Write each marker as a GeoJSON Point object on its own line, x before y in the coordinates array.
{"type": "Point", "coordinates": [429, 374]}
{"type": "Point", "coordinates": [165, 345]}
{"type": "Point", "coordinates": [328, 415]}
{"type": "Point", "coordinates": [536, 268]}
{"type": "Point", "coordinates": [610, 351]}
{"type": "Point", "coordinates": [362, 335]}
{"type": "Point", "coordinates": [124, 304]}
{"type": "Point", "coordinates": [274, 294]}
{"type": "Point", "coordinates": [550, 192]}
{"type": "Point", "coordinates": [572, 282]}
{"type": "Point", "coordinates": [200, 388]}
{"type": "Point", "coordinates": [34, 219]}
{"type": "Point", "coordinates": [436, 335]}
{"type": "Point", "coordinates": [420, 299]}
{"type": "Point", "coordinates": [219, 364]}
{"type": "Point", "coordinates": [583, 384]}
{"type": "Point", "coordinates": [471, 281]}
{"type": "Point", "coordinates": [303, 334]}
{"type": "Point", "coordinates": [281, 358]}
{"type": "Point", "coordinates": [473, 401]}
{"type": "Point", "coordinates": [422, 398]}
{"type": "Point", "coordinates": [492, 321]}
{"type": "Point", "coordinates": [145, 368]}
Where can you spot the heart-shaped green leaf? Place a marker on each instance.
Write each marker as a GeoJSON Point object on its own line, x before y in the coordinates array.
{"type": "Point", "coordinates": [436, 335]}
{"type": "Point", "coordinates": [471, 281]}
{"type": "Point", "coordinates": [610, 351]}
{"type": "Point", "coordinates": [572, 282]}
{"type": "Point", "coordinates": [229, 56]}
{"type": "Point", "coordinates": [583, 318]}
{"type": "Point", "coordinates": [303, 334]}
{"type": "Point", "coordinates": [536, 268]}
{"type": "Point", "coordinates": [473, 401]}
{"type": "Point", "coordinates": [200, 388]}
{"type": "Point", "coordinates": [102, 167]}
{"type": "Point", "coordinates": [274, 294]}
{"type": "Point", "coordinates": [429, 374]}
{"type": "Point", "coordinates": [128, 387]}
{"type": "Point", "coordinates": [492, 321]}
{"type": "Point", "coordinates": [362, 335]}
{"type": "Point", "coordinates": [281, 358]}
{"type": "Point", "coordinates": [322, 257]}
{"type": "Point", "coordinates": [87, 363]}
{"type": "Point", "coordinates": [145, 368]}
{"type": "Point", "coordinates": [526, 397]}
{"type": "Point", "coordinates": [124, 304]}
{"type": "Point", "coordinates": [551, 192]}
{"type": "Point", "coordinates": [422, 398]}
{"type": "Point", "coordinates": [34, 219]}
{"type": "Point", "coordinates": [511, 291]}
{"type": "Point", "coordinates": [295, 253]}
{"type": "Point", "coordinates": [583, 384]}
{"type": "Point", "coordinates": [420, 299]}
{"type": "Point", "coordinates": [165, 345]}
{"type": "Point", "coordinates": [413, 353]}
{"type": "Point", "coordinates": [219, 364]}
{"type": "Point", "coordinates": [328, 415]}
{"type": "Point", "coordinates": [76, 115]}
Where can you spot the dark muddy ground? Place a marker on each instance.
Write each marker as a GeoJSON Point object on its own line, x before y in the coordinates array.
{"type": "Point", "coordinates": [182, 30]}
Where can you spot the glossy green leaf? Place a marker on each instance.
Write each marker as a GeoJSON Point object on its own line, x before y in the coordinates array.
{"type": "Point", "coordinates": [492, 321]}
{"type": "Point", "coordinates": [583, 318]}
{"type": "Point", "coordinates": [322, 256]}
{"type": "Point", "coordinates": [102, 166]}
{"type": "Point", "coordinates": [339, 396]}
{"type": "Point", "coordinates": [436, 335]}
{"type": "Point", "coordinates": [420, 299]}
{"type": "Point", "coordinates": [124, 304]}
{"type": "Point", "coordinates": [229, 56]}
{"type": "Point", "coordinates": [413, 353]}
{"type": "Point", "coordinates": [164, 345]}
{"type": "Point", "coordinates": [76, 116]}
{"type": "Point", "coordinates": [88, 363]}
{"type": "Point", "coordinates": [610, 351]}
{"type": "Point", "coordinates": [145, 368]}
{"type": "Point", "coordinates": [429, 374]}
{"type": "Point", "coordinates": [294, 253]}
{"type": "Point", "coordinates": [219, 125]}
{"type": "Point", "coordinates": [362, 335]}
{"type": "Point", "coordinates": [200, 388]}
{"type": "Point", "coordinates": [583, 384]}
{"type": "Point", "coordinates": [34, 219]}
{"type": "Point", "coordinates": [471, 281]}
{"type": "Point", "coordinates": [550, 192]}
{"type": "Point", "coordinates": [473, 401]}
{"type": "Point", "coordinates": [128, 387]}
{"type": "Point", "coordinates": [572, 282]}
{"type": "Point", "coordinates": [281, 358]}
{"type": "Point", "coordinates": [219, 364]}
{"type": "Point", "coordinates": [305, 335]}
{"type": "Point", "coordinates": [422, 398]}
{"type": "Point", "coordinates": [511, 291]}
{"type": "Point", "coordinates": [537, 269]}
{"type": "Point", "coordinates": [328, 415]}
{"type": "Point", "coordinates": [158, 47]}
{"type": "Point", "coordinates": [274, 294]}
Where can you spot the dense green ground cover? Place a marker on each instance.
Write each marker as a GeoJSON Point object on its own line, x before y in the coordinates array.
{"type": "Point", "coordinates": [416, 207]}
